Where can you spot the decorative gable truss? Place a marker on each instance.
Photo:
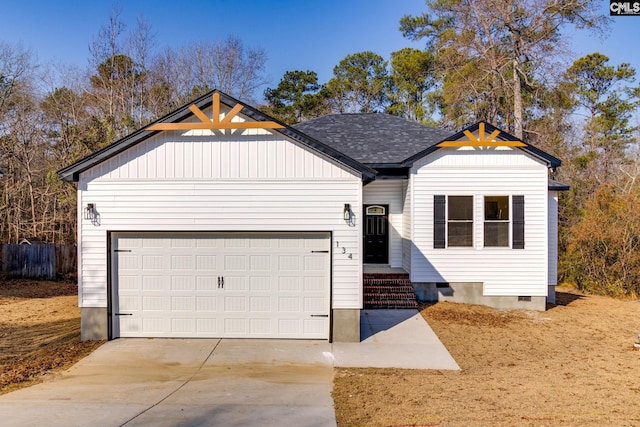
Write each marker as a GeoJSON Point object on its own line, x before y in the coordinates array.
{"type": "Point", "coordinates": [481, 140]}
{"type": "Point", "coordinates": [215, 122]}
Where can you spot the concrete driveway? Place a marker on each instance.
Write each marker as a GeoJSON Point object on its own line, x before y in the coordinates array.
{"type": "Point", "coordinates": [207, 382]}
{"type": "Point", "coordinates": [166, 382]}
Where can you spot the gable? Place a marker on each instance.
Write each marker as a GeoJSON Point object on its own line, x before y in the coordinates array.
{"type": "Point", "coordinates": [214, 116]}
{"type": "Point", "coordinates": [484, 136]}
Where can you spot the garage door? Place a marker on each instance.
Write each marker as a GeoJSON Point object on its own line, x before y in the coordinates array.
{"type": "Point", "coordinates": [233, 285]}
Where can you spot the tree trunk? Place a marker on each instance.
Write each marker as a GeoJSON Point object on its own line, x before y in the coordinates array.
{"type": "Point", "coordinates": [517, 102]}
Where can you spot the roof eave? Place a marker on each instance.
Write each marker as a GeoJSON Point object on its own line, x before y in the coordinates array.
{"type": "Point", "coordinates": [554, 185]}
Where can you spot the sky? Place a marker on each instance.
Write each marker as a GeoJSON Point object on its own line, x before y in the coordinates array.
{"type": "Point", "coordinates": [295, 34]}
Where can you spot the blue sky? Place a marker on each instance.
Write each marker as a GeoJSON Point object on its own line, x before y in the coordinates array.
{"type": "Point", "coordinates": [296, 34]}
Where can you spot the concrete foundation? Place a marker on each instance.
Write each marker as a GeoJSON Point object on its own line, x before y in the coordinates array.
{"type": "Point", "coordinates": [93, 323]}
{"type": "Point", "coordinates": [472, 293]}
{"type": "Point", "coordinates": [346, 325]}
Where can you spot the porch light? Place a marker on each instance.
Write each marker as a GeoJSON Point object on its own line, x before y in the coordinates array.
{"type": "Point", "coordinates": [90, 211]}
{"type": "Point", "coordinates": [347, 212]}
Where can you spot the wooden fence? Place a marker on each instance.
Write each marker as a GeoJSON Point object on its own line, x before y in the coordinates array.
{"type": "Point", "coordinates": [38, 261]}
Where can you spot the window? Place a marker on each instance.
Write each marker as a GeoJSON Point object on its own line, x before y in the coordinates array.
{"type": "Point", "coordinates": [460, 221]}
{"type": "Point", "coordinates": [496, 221]}
{"type": "Point", "coordinates": [375, 210]}
{"type": "Point", "coordinates": [503, 219]}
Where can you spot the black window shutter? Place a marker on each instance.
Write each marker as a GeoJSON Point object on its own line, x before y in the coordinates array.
{"type": "Point", "coordinates": [518, 222]}
{"type": "Point", "coordinates": [439, 222]}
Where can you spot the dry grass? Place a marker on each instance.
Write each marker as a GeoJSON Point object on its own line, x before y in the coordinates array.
{"type": "Point", "coordinates": [574, 364]}
{"type": "Point", "coordinates": [39, 331]}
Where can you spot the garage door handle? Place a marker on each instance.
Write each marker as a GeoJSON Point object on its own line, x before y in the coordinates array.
{"type": "Point", "coordinates": [221, 282]}
{"type": "Point", "coordinates": [122, 250]}
{"type": "Point", "coordinates": [319, 315]}
{"type": "Point", "coordinates": [124, 314]}
{"type": "Point", "coordinates": [319, 252]}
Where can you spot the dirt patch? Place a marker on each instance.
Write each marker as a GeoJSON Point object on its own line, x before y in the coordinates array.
{"type": "Point", "coordinates": [574, 364]}
{"type": "Point", "coordinates": [39, 331]}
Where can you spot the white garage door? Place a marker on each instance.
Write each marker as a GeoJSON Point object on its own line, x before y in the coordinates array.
{"type": "Point", "coordinates": [223, 285]}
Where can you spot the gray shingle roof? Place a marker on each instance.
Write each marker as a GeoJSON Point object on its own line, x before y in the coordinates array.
{"type": "Point", "coordinates": [373, 138]}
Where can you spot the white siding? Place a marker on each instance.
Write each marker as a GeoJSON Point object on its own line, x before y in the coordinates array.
{"type": "Point", "coordinates": [389, 192]}
{"type": "Point", "coordinates": [407, 225]}
{"type": "Point", "coordinates": [250, 157]}
{"type": "Point", "coordinates": [482, 172]}
{"type": "Point", "coordinates": [553, 238]}
{"type": "Point", "coordinates": [220, 183]}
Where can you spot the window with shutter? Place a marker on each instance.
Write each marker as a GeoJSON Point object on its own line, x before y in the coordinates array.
{"type": "Point", "coordinates": [439, 222]}
{"type": "Point", "coordinates": [518, 222]}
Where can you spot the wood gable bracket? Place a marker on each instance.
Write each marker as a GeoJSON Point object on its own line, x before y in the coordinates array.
{"type": "Point", "coordinates": [482, 140]}
{"type": "Point", "coordinates": [215, 123]}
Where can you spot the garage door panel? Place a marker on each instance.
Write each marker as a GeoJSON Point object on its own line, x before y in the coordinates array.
{"type": "Point", "coordinates": [206, 304]}
{"type": "Point", "coordinates": [260, 326]}
{"type": "Point", "coordinates": [129, 262]}
{"type": "Point", "coordinates": [182, 326]}
{"type": "Point", "coordinates": [206, 283]}
{"type": "Point", "coordinates": [183, 303]}
{"type": "Point", "coordinates": [130, 326]}
{"type": "Point", "coordinates": [314, 284]}
{"type": "Point", "coordinates": [130, 303]}
{"type": "Point", "coordinates": [183, 262]}
{"type": "Point", "coordinates": [234, 283]}
{"type": "Point", "coordinates": [153, 326]}
{"type": "Point", "coordinates": [289, 263]}
{"type": "Point", "coordinates": [235, 263]}
{"type": "Point", "coordinates": [260, 304]}
{"type": "Point", "coordinates": [235, 304]}
{"type": "Point", "coordinates": [235, 326]}
{"type": "Point", "coordinates": [219, 285]}
{"type": "Point", "coordinates": [289, 327]}
{"type": "Point", "coordinates": [153, 262]}
{"type": "Point", "coordinates": [207, 326]}
{"type": "Point", "coordinates": [314, 263]}
{"type": "Point", "coordinates": [289, 304]}
{"type": "Point", "coordinates": [312, 326]}
{"type": "Point", "coordinates": [289, 283]}
{"type": "Point", "coordinates": [154, 283]}
{"type": "Point", "coordinates": [153, 303]}
{"type": "Point", "coordinates": [182, 283]}
{"type": "Point", "coordinates": [312, 304]}
{"type": "Point", "coordinates": [260, 283]}
{"type": "Point", "coordinates": [207, 262]}
{"type": "Point", "coordinates": [129, 283]}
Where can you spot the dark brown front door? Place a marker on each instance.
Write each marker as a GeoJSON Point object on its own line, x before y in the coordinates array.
{"type": "Point", "coordinates": [376, 234]}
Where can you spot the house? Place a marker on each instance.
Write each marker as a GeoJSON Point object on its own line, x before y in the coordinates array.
{"type": "Point", "coordinates": [218, 221]}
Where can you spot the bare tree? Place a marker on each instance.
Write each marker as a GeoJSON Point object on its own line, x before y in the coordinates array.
{"type": "Point", "coordinates": [226, 65]}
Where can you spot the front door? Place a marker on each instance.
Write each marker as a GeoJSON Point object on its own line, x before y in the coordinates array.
{"type": "Point", "coordinates": [376, 234]}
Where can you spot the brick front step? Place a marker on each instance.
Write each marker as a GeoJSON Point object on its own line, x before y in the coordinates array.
{"type": "Point", "coordinates": [388, 296]}
{"type": "Point", "coordinates": [385, 276]}
{"type": "Point", "coordinates": [367, 289]}
{"type": "Point", "coordinates": [392, 304]}
{"type": "Point", "coordinates": [387, 281]}
{"type": "Point", "coordinates": [388, 291]}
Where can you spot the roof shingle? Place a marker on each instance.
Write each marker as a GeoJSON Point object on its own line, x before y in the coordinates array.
{"type": "Point", "coordinates": [373, 138]}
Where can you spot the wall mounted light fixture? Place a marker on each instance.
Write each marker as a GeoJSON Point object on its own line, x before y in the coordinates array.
{"type": "Point", "coordinates": [90, 211]}
{"type": "Point", "coordinates": [347, 212]}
